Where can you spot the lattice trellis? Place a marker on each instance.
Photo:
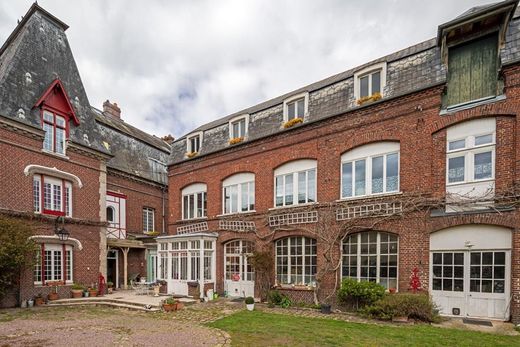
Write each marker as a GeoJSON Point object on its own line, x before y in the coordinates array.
{"type": "Point", "coordinates": [237, 225]}
{"type": "Point", "coordinates": [293, 218]}
{"type": "Point", "coordinates": [369, 210]}
{"type": "Point", "coordinates": [192, 228]}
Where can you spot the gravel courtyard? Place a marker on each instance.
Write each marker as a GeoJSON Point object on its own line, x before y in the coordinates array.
{"type": "Point", "coordinates": [106, 326]}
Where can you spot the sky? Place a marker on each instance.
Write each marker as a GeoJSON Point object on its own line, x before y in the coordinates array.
{"type": "Point", "coordinates": [174, 65]}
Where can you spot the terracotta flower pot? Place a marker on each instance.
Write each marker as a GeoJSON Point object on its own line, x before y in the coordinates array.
{"type": "Point", "coordinates": [53, 296]}
{"type": "Point", "coordinates": [76, 293]}
{"type": "Point", "coordinates": [38, 301]}
{"type": "Point", "coordinates": [169, 307]}
{"type": "Point", "coordinates": [92, 292]}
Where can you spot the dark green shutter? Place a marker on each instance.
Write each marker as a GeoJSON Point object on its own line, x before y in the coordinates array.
{"type": "Point", "coordinates": [472, 70]}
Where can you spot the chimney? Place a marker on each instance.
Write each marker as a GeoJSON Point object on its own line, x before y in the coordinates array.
{"type": "Point", "coordinates": [168, 139]}
{"type": "Point", "coordinates": [112, 109]}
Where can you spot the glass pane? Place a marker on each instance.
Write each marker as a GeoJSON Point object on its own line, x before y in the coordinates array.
{"type": "Point", "coordinates": [484, 139]}
{"type": "Point", "coordinates": [363, 86]}
{"type": "Point", "coordinates": [242, 128]}
{"type": "Point", "coordinates": [487, 286]}
{"type": "Point", "coordinates": [392, 172]}
{"type": "Point", "coordinates": [360, 177]}
{"type": "Point", "coordinates": [192, 206]}
{"type": "Point", "coordinates": [289, 189]}
{"type": "Point", "coordinates": [437, 284]}
{"type": "Point", "coordinates": [279, 190]}
{"type": "Point", "coordinates": [346, 180]}
{"type": "Point", "coordinates": [456, 169]}
{"type": "Point", "coordinates": [458, 259]}
{"type": "Point", "coordinates": [60, 121]}
{"type": "Point", "coordinates": [227, 200]}
{"type": "Point", "coordinates": [448, 258]}
{"type": "Point", "coordinates": [447, 284]}
{"type": "Point", "coordinates": [60, 141]}
{"type": "Point", "coordinates": [236, 130]}
{"type": "Point", "coordinates": [49, 137]}
{"type": "Point", "coordinates": [453, 145]}
{"type": "Point", "coordinates": [487, 258]}
{"type": "Point", "coordinates": [487, 272]}
{"type": "Point", "coordinates": [437, 258]}
{"type": "Point", "coordinates": [48, 117]}
{"type": "Point", "coordinates": [475, 272]}
{"type": "Point", "coordinates": [233, 191]}
{"type": "Point", "coordinates": [244, 191]}
{"type": "Point", "coordinates": [498, 287]}
{"type": "Point", "coordinates": [311, 185]}
{"type": "Point", "coordinates": [475, 258]}
{"type": "Point", "coordinates": [302, 187]}
{"type": "Point", "coordinates": [291, 111]}
{"type": "Point", "coordinates": [377, 175]}
{"type": "Point", "coordinates": [200, 205]}
{"type": "Point", "coordinates": [458, 271]}
{"type": "Point", "coordinates": [474, 285]}
{"type": "Point", "coordinates": [301, 108]}
{"type": "Point", "coordinates": [458, 285]}
{"type": "Point", "coordinates": [376, 82]}
{"type": "Point", "coordinates": [500, 258]}
{"type": "Point", "coordinates": [437, 271]}
{"type": "Point", "coordinates": [499, 272]}
{"type": "Point", "coordinates": [252, 196]}
{"type": "Point", "coordinates": [483, 165]}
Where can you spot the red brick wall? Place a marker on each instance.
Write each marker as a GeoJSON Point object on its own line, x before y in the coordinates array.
{"type": "Point", "coordinates": [414, 121]}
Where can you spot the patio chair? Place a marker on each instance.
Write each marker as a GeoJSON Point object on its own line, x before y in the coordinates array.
{"type": "Point", "coordinates": [137, 287]}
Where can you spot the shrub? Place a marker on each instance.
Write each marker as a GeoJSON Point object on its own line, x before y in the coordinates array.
{"type": "Point", "coordinates": [286, 302]}
{"type": "Point", "coordinates": [250, 300]}
{"type": "Point", "coordinates": [276, 298]}
{"type": "Point", "coordinates": [414, 306]}
{"type": "Point", "coordinates": [363, 293]}
{"type": "Point", "coordinates": [77, 286]}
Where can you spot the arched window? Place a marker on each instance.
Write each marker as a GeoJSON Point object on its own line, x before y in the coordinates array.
{"type": "Point", "coordinates": [370, 169]}
{"type": "Point", "coordinates": [194, 201]}
{"type": "Point", "coordinates": [110, 214]}
{"type": "Point", "coordinates": [371, 256]}
{"type": "Point", "coordinates": [296, 260]}
{"type": "Point", "coordinates": [295, 183]}
{"type": "Point", "coordinates": [238, 193]}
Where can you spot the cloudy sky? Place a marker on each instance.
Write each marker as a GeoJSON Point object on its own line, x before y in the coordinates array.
{"type": "Point", "coordinates": [174, 65]}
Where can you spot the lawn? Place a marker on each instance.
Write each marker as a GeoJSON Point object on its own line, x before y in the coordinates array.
{"type": "Point", "coordinates": [266, 329]}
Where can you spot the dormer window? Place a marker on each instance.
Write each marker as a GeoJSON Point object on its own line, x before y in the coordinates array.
{"type": "Point", "coordinates": [193, 144]}
{"type": "Point", "coordinates": [238, 128]}
{"type": "Point", "coordinates": [295, 109]}
{"type": "Point", "coordinates": [55, 128]}
{"type": "Point", "coordinates": [369, 83]}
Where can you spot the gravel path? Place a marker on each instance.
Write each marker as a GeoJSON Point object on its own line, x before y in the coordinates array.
{"type": "Point", "coordinates": [105, 326]}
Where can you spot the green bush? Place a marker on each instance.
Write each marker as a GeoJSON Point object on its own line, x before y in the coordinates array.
{"type": "Point", "coordinates": [279, 299]}
{"type": "Point", "coordinates": [77, 286]}
{"type": "Point", "coordinates": [414, 306]}
{"type": "Point", "coordinates": [286, 302]}
{"type": "Point", "coordinates": [250, 300]}
{"type": "Point", "coordinates": [362, 293]}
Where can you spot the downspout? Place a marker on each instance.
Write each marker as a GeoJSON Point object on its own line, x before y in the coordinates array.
{"type": "Point", "coordinates": [163, 189]}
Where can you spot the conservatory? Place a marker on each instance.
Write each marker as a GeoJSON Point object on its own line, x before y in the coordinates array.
{"type": "Point", "coordinates": [187, 261]}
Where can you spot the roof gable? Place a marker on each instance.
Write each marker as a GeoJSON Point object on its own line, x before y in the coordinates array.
{"type": "Point", "coordinates": [56, 98]}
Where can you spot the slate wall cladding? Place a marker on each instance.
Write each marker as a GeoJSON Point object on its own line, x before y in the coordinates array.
{"type": "Point", "coordinates": [421, 132]}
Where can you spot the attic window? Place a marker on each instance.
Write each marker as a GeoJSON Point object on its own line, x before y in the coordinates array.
{"type": "Point", "coordinates": [238, 127]}
{"type": "Point", "coordinates": [370, 82]}
{"type": "Point", "coordinates": [296, 107]}
{"type": "Point", "coordinates": [193, 144]}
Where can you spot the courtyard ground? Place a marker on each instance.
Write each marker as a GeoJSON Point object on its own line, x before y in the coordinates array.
{"type": "Point", "coordinates": [222, 323]}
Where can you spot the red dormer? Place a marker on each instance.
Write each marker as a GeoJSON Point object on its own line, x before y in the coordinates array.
{"type": "Point", "coordinates": [56, 115]}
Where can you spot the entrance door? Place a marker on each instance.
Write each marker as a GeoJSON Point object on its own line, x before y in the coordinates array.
{"type": "Point", "coordinates": [179, 275]}
{"type": "Point", "coordinates": [239, 278]}
{"type": "Point", "coordinates": [151, 263]}
{"type": "Point", "coordinates": [471, 283]}
{"type": "Point", "coordinates": [112, 267]}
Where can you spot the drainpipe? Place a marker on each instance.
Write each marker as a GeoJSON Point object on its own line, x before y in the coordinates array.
{"type": "Point", "coordinates": [163, 189]}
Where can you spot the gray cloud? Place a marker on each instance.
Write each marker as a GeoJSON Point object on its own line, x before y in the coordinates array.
{"type": "Point", "coordinates": [173, 65]}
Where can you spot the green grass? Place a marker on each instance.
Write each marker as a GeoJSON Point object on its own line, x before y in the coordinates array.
{"type": "Point", "coordinates": [265, 329]}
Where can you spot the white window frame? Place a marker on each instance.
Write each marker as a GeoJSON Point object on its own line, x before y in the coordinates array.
{"type": "Point", "coordinates": [194, 189]}
{"type": "Point", "coordinates": [378, 255]}
{"type": "Point", "coordinates": [238, 180]}
{"type": "Point", "coordinates": [296, 167]}
{"type": "Point", "coordinates": [41, 263]}
{"type": "Point", "coordinates": [286, 102]}
{"type": "Point", "coordinates": [289, 257]}
{"type": "Point", "coordinates": [367, 153]}
{"type": "Point", "coordinates": [147, 211]}
{"type": "Point", "coordinates": [189, 148]}
{"type": "Point", "coordinates": [65, 199]}
{"type": "Point", "coordinates": [52, 126]}
{"type": "Point", "coordinates": [368, 71]}
{"type": "Point", "coordinates": [245, 118]}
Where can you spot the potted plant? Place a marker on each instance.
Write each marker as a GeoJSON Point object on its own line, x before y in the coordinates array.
{"type": "Point", "coordinates": [110, 287]}
{"type": "Point", "coordinates": [30, 302]}
{"type": "Point", "coordinates": [325, 308]}
{"type": "Point", "coordinates": [92, 292]}
{"type": "Point", "coordinates": [54, 294]}
{"type": "Point", "coordinates": [85, 293]}
{"type": "Point", "coordinates": [250, 303]}
{"type": "Point", "coordinates": [170, 304]}
{"type": "Point", "coordinates": [76, 290]}
{"type": "Point", "coordinates": [38, 300]}
{"type": "Point", "coordinates": [392, 290]}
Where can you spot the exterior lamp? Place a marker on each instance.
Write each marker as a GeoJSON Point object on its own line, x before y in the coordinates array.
{"type": "Point", "coordinates": [62, 233]}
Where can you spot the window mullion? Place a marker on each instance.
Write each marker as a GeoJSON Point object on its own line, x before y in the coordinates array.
{"type": "Point", "coordinates": [378, 257]}
{"type": "Point", "coordinates": [384, 172]}
{"type": "Point", "coordinates": [358, 255]}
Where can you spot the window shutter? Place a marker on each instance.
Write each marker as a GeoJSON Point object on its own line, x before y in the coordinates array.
{"type": "Point", "coordinates": [472, 70]}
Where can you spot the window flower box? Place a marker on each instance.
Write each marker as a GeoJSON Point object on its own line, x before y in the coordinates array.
{"type": "Point", "coordinates": [367, 99]}
{"type": "Point", "coordinates": [292, 122]}
{"type": "Point", "coordinates": [151, 233]}
{"type": "Point", "coordinates": [191, 154]}
{"type": "Point", "coordinates": [236, 140]}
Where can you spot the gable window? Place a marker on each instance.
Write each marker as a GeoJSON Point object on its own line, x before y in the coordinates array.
{"type": "Point", "coordinates": [296, 107]}
{"type": "Point", "coordinates": [296, 261]}
{"type": "Point", "coordinates": [239, 193]}
{"type": "Point", "coordinates": [472, 70]}
{"type": "Point", "coordinates": [370, 169]}
{"type": "Point", "coordinates": [148, 219]}
{"type": "Point", "coordinates": [371, 256]}
{"type": "Point", "coordinates": [55, 128]}
{"type": "Point", "coordinates": [193, 143]}
{"type": "Point", "coordinates": [53, 263]}
{"type": "Point", "coordinates": [52, 196]}
{"type": "Point", "coordinates": [194, 201]}
{"type": "Point", "coordinates": [370, 81]}
{"type": "Point", "coordinates": [295, 183]}
{"type": "Point", "coordinates": [238, 127]}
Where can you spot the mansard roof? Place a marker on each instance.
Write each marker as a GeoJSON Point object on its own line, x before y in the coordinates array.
{"type": "Point", "coordinates": [411, 69]}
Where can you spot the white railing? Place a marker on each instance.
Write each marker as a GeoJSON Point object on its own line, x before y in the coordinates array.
{"type": "Point", "coordinates": [237, 225]}
{"type": "Point", "coordinates": [192, 228]}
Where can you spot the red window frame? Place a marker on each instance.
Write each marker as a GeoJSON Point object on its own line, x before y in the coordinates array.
{"type": "Point", "coordinates": [63, 200]}
{"type": "Point", "coordinates": [55, 113]}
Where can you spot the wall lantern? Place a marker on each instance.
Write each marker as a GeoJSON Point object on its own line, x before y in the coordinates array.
{"type": "Point", "coordinates": [62, 233]}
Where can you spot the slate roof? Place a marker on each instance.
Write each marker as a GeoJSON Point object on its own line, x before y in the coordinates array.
{"type": "Point", "coordinates": [408, 70]}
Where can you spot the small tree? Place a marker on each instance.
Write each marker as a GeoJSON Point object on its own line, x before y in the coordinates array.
{"type": "Point", "coordinates": [16, 252]}
{"type": "Point", "coordinates": [262, 263]}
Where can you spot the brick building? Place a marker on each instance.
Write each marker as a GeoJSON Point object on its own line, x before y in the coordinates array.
{"type": "Point", "coordinates": [408, 162]}
{"type": "Point", "coordinates": [61, 157]}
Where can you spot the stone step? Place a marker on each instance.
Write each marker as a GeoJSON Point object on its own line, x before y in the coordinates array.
{"type": "Point", "coordinates": [132, 306]}
{"type": "Point", "coordinates": [104, 299]}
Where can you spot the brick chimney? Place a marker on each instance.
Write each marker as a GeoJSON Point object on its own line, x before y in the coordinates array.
{"type": "Point", "coordinates": [112, 109]}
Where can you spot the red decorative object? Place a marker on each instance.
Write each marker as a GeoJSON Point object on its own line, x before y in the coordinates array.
{"type": "Point", "coordinates": [235, 277]}
{"type": "Point", "coordinates": [101, 285]}
{"type": "Point", "coordinates": [415, 281]}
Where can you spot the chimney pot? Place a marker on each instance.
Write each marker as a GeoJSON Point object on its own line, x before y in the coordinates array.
{"type": "Point", "coordinates": [111, 109]}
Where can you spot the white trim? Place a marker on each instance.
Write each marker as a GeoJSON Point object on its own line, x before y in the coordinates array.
{"type": "Point", "coordinates": [238, 118]}
{"type": "Point", "coordinates": [47, 171]}
{"type": "Point", "coordinates": [54, 239]}
{"type": "Point", "coordinates": [194, 188]}
{"type": "Point", "coordinates": [479, 236]}
{"type": "Point", "coordinates": [304, 96]}
{"type": "Point", "coordinates": [367, 70]}
{"type": "Point", "coordinates": [192, 135]}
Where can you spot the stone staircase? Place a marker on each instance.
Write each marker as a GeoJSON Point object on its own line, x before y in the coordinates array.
{"type": "Point", "coordinates": [105, 301]}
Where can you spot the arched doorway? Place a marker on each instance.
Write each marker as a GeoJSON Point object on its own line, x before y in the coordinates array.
{"type": "Point", "coordinates": [239, 277]}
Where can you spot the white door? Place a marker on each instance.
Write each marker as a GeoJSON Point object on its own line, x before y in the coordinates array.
{"type": "Point", "coordinates": [239, 275]}
{"type": "Point", "coordinates": [471, 283]}
{"type": "Point", "coordinates": [178, 283]}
